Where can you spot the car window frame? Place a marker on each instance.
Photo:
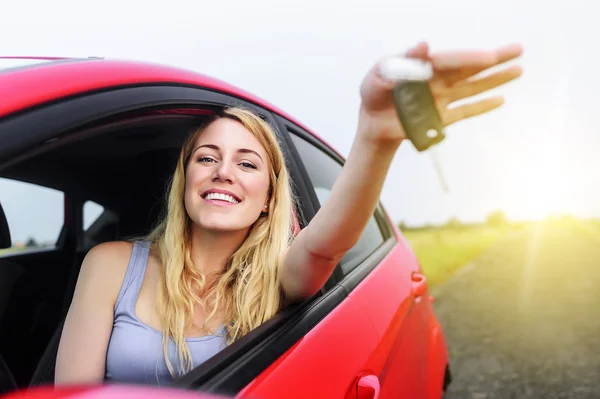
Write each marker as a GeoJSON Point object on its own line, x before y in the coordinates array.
{"type": "Point", "coordinates": [380, 216]}
{"type": "Point", "coordinates": [346, 266]}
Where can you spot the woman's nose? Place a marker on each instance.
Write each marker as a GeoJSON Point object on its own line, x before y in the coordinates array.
{"type": "Point", "coordinates": [224, 172]}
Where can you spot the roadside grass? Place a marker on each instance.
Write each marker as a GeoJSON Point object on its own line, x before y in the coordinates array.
{"type": "Point", "coordinates": [443, 250]}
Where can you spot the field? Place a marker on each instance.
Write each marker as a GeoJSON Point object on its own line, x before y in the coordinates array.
{"type": "Point", "coordinates": [443, 250]}
{"type": "Point", "coordinates": [7, 250]}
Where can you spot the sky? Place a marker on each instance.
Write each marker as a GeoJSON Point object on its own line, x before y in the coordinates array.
{"type": "Point", "coordinates": [532, 157]}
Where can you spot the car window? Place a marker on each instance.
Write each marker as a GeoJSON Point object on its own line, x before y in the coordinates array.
{"type": "Point", "coordinates": [91, 213]}
{"type": "Point", "coordinates": [35, 214]}
{"type": "Point", "coordinates": [99, 224]}
{"type": "Point", "coordinates": [323, 170]}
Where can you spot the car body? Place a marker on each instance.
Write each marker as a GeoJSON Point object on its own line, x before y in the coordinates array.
{"type": "Point", "coordinates": [106, 133]}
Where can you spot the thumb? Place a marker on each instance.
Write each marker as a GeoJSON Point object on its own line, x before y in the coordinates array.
{"type": "Point", "coordinates": [420, 51]}
{"type": "Point", "coordinates": [376, 91]}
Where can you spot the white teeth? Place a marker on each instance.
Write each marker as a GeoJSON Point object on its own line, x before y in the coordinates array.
{"type": "Point", "coordinates": [221, 197]}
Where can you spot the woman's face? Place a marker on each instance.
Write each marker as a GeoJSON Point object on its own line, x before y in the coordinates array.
{"type": "Point", "coordinates": [227, 178]}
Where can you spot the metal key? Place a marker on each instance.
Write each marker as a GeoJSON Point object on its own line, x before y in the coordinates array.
{"type": "Point", "coordinates": [415, 105]}
{"type": "Point", "coordinates": [438, 169]}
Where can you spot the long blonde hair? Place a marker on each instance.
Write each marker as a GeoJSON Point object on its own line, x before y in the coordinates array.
{"type": "Point", "coordinates": [248, 291]}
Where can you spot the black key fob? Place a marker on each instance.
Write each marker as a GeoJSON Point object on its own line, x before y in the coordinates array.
{"type": "Point", "coordinates": [418, 114]}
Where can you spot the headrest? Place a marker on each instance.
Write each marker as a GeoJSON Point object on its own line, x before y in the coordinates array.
{"type": "Point", "coordinates": [5, 241]}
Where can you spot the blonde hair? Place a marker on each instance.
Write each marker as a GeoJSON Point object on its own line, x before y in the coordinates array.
{"type": "Point", "coordinates": [248, 291]}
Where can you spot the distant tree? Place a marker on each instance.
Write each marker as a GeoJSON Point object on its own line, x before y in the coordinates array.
{"type": "Point", "coordinates": [31, 242]}
{"type": "Point", "coordinates": [453, 223]}
{"type": "Point", "coordinates": [402, 226]}
{"type": "Point", "coordinates": [496, 218]}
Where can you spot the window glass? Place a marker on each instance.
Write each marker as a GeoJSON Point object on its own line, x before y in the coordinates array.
{"type": "Point", "coordinates": [35, 214]}
{"type": "Point", "coordinates": [91, 213]}
{"type": "Point", "coordinates": [323, 170]}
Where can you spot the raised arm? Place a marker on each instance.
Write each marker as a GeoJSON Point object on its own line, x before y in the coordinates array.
{"type": "Point", "coordinates": [339, 223]}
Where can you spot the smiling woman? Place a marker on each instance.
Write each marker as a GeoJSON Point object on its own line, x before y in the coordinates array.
{"type": "Point", "coordinates": [207, 274]}
{"type": "Point", "coordinates": [232, 167]}
{"type": "Point", "coordinates": [240, 242]}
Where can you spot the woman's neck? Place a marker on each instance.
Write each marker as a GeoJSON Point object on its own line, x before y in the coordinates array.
{"type": "Point", "coordinates": [212, 250]}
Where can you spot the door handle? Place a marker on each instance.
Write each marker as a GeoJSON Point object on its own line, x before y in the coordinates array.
{"type": "Point", "coordinates": [419, 284]}
{"type": "Point", "coordinates": [367, 387]}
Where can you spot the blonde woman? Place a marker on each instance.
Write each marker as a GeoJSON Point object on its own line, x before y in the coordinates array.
{"type": "Point", "coordinates": [224, 259]}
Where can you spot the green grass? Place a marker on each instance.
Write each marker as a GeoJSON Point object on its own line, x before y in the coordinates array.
{"type": "Point", "coordinates": [12, 249]}
{"type": "Point", "coordinates": [7, 250]}
{"type": "Point", "coordinates": [443, 250]}
{"type": "Point", "coordinates": [590, 228]}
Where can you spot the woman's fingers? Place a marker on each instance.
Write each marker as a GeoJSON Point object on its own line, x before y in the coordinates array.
{"type": "Point", "coordinates": [454, 66]}
{"type": "Point", "coordinates": [420, 51]}
{"type": "Point", "coordinates": [469, 110]}
{"type": "Point", "coordinates": [470, 88]}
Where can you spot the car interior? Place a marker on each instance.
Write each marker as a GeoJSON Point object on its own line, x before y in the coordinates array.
{"type": "Point", "coordinates": [122, 164]}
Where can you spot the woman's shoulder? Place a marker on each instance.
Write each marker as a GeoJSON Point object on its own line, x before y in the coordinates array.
{"type": "Point", "coordinates": [110, 251]}
{"type": "Point", "coordinates": [106, 263]}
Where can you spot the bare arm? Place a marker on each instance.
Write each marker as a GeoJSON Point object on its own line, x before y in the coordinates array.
{"type": "Point", "coordinates": [337, 226]}
{"type": "Point", "coordinates": [88, 325]}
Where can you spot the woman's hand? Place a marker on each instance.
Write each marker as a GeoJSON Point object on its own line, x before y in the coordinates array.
{"type": "Point", "coordinates": [452, 81]}
{"type": "Point", "coordinates": [340, 221]}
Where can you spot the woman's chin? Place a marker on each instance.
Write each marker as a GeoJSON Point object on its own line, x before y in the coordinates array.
{"type": "Point", "coordinates": [222, 226]}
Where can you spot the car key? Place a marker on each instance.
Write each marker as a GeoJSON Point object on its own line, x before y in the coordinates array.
{"type": "Point", "coordinates": [413, 100]}
{"type": "Point", "coordinates": [415, 106]}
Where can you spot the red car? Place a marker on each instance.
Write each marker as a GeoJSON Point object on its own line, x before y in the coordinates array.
{"type": "Point", "coordinates": [80, 129]}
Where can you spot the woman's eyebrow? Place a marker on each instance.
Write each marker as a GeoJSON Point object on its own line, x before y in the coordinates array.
{"type": "Point", "coordinates": [242, 150]}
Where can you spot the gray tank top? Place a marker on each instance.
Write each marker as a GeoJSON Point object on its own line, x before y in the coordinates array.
{"type": "Point", "coordinates": [135, 350]}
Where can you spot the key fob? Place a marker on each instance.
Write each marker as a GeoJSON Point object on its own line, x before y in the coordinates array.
{"type": "Point", "coordinates": [417, 112]}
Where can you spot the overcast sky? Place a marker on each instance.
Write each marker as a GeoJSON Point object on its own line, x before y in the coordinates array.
{"type": "Point", "coordinates": [533, 156]}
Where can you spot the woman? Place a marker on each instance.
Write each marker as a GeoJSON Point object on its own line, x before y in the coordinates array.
{"type": "Point", "coordinates": [223, 260]}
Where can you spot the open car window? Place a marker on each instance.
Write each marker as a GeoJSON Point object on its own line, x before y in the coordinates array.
{"type": "Point", "coordinates": [323, 171]}
{"type": "Point", "coordinates": [35, 214]}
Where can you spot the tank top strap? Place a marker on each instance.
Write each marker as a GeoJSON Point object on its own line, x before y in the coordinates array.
{"type": "Point", "coordinates": [134, 276]}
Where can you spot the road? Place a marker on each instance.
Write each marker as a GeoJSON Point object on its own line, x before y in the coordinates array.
{"type": "Point", "coordinates": [524, 320]}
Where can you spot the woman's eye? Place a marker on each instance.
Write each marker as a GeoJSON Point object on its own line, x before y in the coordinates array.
{"type": "Point", "coordinates": [205, 159]}
{"type": "Point", "coordinates": [248, 165]}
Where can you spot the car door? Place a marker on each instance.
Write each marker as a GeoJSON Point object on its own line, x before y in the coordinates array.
{"type": "Point", "coordinates": [391, 291]}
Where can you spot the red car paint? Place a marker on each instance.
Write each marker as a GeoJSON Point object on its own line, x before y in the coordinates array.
{"type": "Point", "coordinates": [106, 391]}
{"type": "Point", "coordinates": [378, 353]}
{"type": "Point", "coordinates": [383, 341]}
{"type": "Point", "coordinates": [48, 82]}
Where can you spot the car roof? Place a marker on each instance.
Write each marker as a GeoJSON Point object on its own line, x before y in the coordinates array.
{"type": "Point", "coordinates": [36, 80]}
{"type": "Point", "coordinates": [7, 62]}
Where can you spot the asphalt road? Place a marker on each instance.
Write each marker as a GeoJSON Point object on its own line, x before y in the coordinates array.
{"type": "Point", "coordinates": [524, 320]}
